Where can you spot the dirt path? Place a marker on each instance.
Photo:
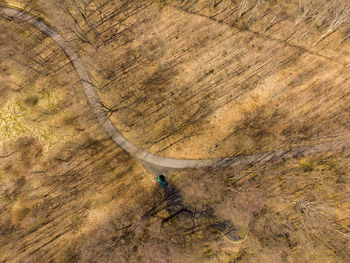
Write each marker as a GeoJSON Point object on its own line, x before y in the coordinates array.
{"type": "Point", "coordinates": [157, 164]}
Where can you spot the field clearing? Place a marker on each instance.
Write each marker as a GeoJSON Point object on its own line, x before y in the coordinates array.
{"type": "Point", "coordinates": [208, 79]}
{"type": "Point", "coordinates": [184, 86]}
{"type": "Point", "coordinates": [35, 88]}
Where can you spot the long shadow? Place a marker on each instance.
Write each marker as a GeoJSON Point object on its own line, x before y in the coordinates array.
{"type": "Point", "coordinates": [184, 217]}
{"type": "Point", "coordinates": [187, 219]}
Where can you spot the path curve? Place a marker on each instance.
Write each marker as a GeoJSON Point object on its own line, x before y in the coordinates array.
{"type": "Point", "coordinates": [152, 159]}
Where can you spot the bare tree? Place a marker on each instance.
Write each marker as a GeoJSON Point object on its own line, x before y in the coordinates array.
{"type": "Point", "coordinates": [339, 18]}
{"type": "Point", "coordinates": [303, 12]}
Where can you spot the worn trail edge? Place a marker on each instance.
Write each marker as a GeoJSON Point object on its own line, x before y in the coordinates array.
{"type": "Point", "coordinates": [147, 157]}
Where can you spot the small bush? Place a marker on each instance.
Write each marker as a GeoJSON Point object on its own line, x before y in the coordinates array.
{"type": "Point", "coordinates": [307, 165]}
{"type": "Point", "coordinates": [31, 100]}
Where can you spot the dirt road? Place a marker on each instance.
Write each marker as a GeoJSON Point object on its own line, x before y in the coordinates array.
{"type": "Point", "coordinates": [155, 163]}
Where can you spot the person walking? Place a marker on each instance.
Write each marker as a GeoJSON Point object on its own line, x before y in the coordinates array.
{"type": "Point", "coordinates": [161, 181]}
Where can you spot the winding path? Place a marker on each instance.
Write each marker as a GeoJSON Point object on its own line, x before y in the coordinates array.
{"type": "Point", "coordinates": [154, 162]}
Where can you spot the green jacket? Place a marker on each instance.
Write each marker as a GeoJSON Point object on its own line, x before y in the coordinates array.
{"type": "Point", "coordinates": [162, 183]}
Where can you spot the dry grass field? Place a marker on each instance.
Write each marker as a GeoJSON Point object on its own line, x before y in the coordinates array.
{"type": "Point", "coordinates": [183, 79]}
{"type": "Point", "coordinates": [183, 85]}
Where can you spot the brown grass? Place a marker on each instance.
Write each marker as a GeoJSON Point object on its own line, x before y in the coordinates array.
{"type": "Point", "coordinates": [182, 85]}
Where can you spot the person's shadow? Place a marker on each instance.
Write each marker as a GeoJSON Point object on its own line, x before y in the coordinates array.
{"type": "Point", "coordinates": [183, 217]}
{"type": "Point", "coordinates": [187, 219]}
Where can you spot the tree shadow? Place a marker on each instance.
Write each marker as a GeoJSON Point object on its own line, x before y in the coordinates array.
{"type": "Point", "coordinates": [186, 219]}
